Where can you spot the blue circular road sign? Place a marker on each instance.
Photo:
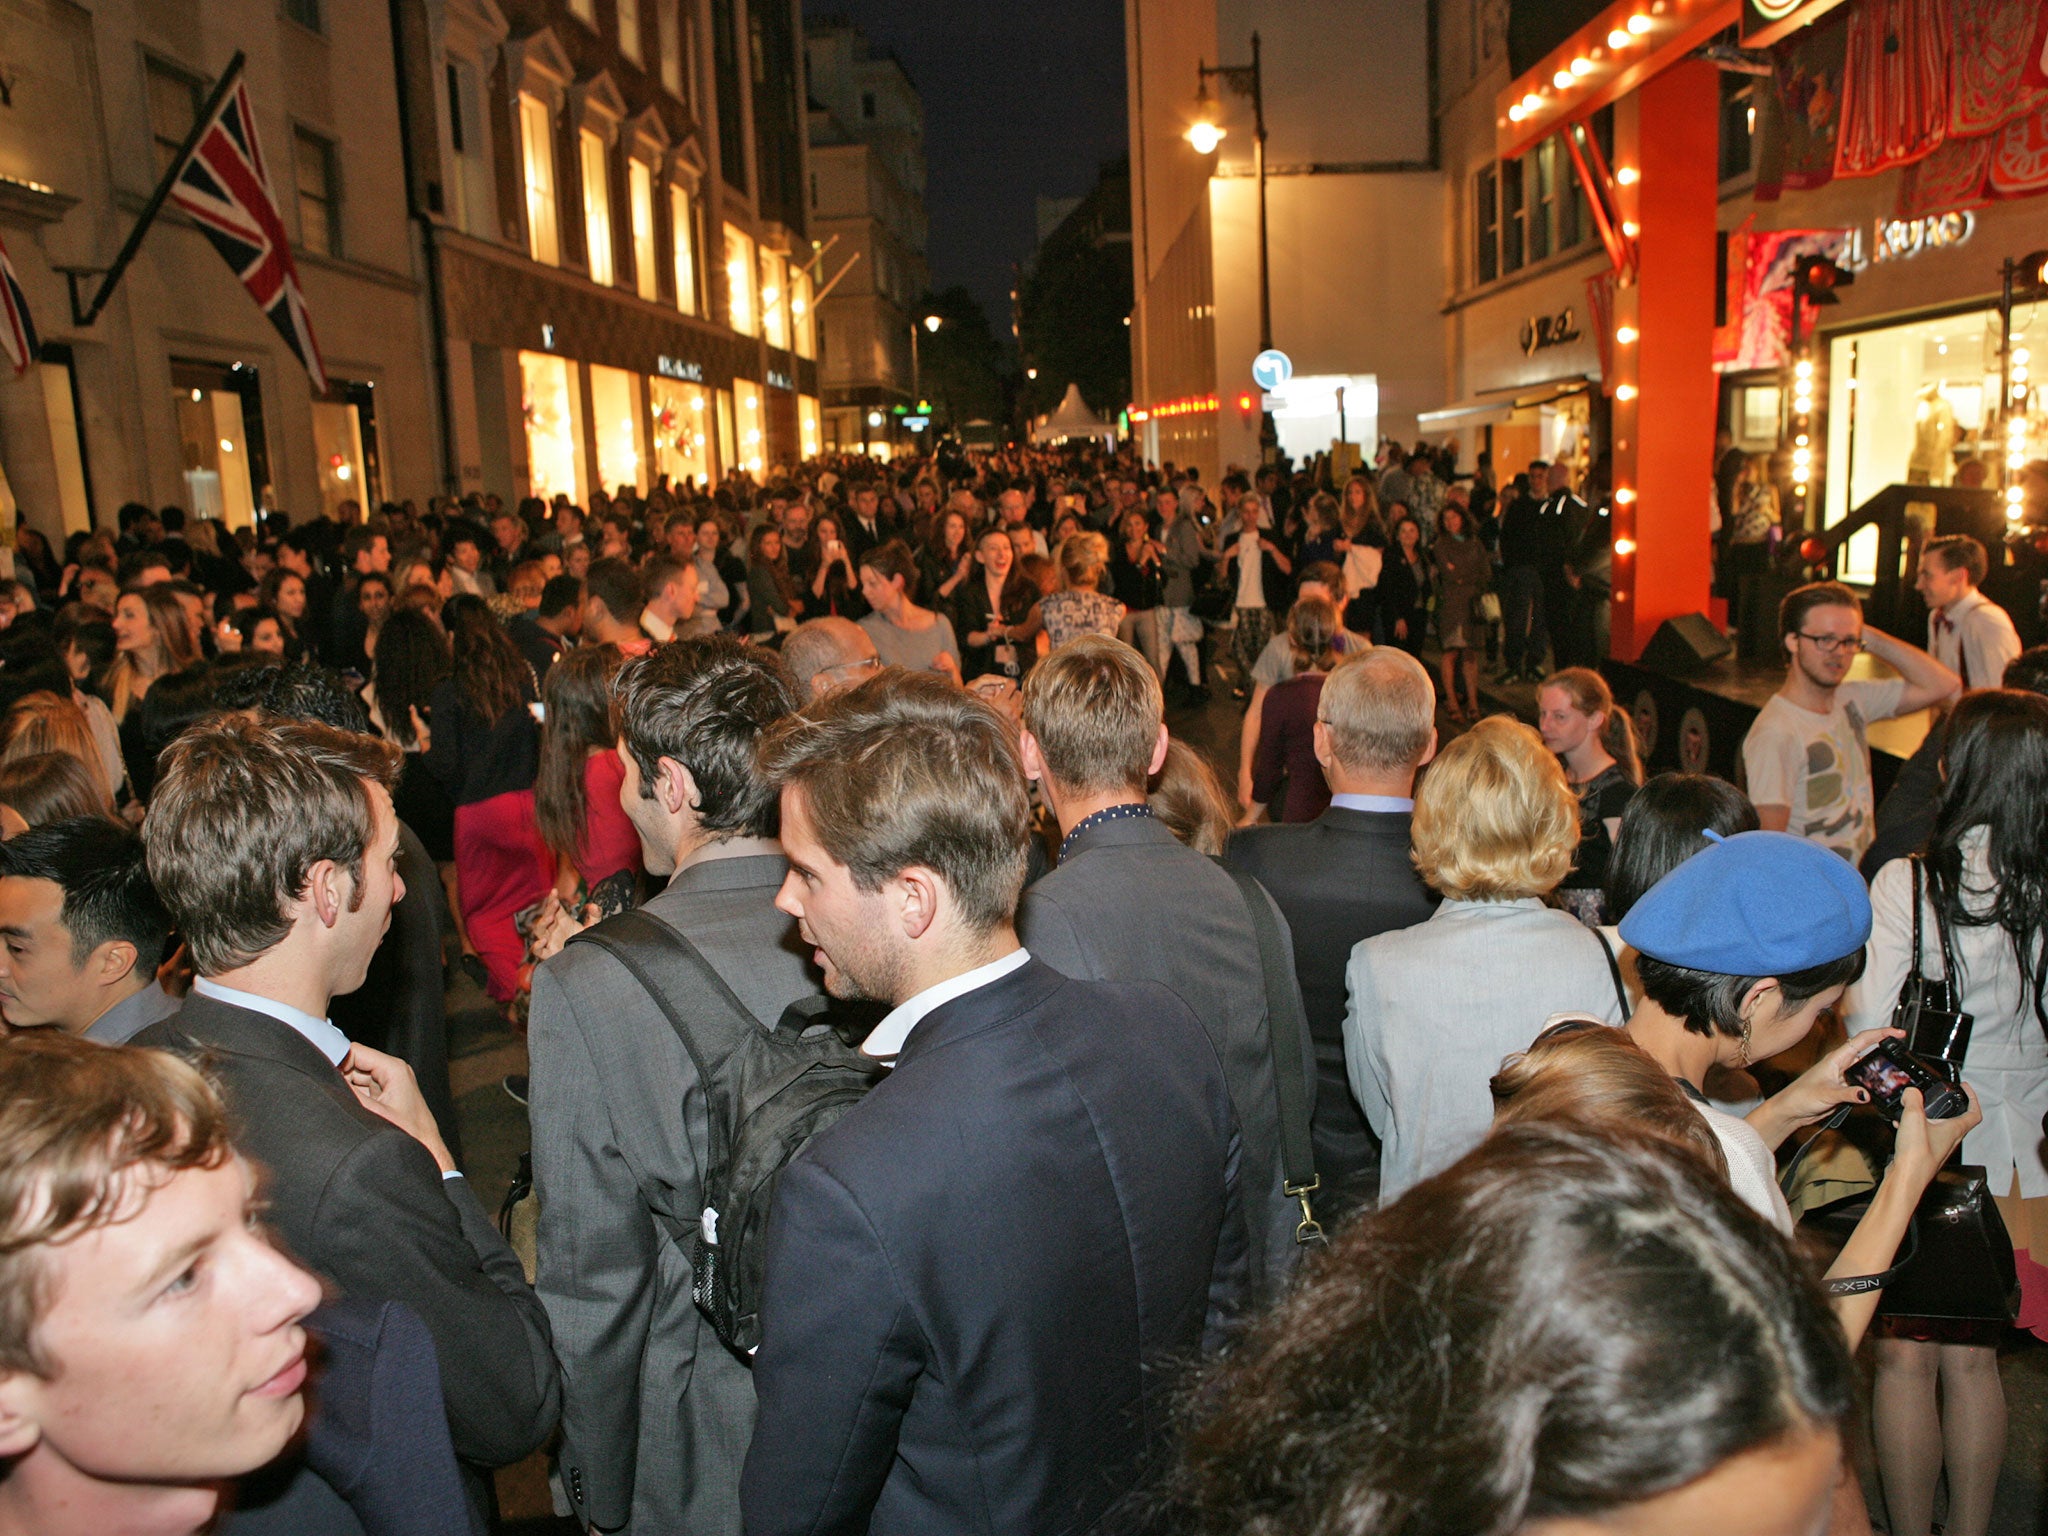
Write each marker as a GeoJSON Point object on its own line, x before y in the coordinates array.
{"type": "Point", "coordinates": [1272, 368]}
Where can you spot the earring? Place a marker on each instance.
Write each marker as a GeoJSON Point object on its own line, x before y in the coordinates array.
{"type": "Point", "coordinates": [1742, 1055]}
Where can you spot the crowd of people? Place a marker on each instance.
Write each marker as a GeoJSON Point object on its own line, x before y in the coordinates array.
{"type": "Point", "coordinates": [952, 1108]}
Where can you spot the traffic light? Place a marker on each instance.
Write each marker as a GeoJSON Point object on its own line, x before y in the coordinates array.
{"type": "Point", "coordinates": [1816, 278]}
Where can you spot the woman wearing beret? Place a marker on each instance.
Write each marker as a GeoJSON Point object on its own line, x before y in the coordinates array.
{"type": "Point", "coordinates": [1984, 877]}
{"type": "Point", "coordinates": [1740, 950]}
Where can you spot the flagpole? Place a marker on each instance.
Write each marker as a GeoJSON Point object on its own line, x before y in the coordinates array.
{"type": "Point", "coordinates": [155, 204]}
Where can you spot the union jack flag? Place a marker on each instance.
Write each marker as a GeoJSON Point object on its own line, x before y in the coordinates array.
{"type": "Point", "coordinates": [224, 185]}
{"type": "Point", "coordinates": [17, 330]}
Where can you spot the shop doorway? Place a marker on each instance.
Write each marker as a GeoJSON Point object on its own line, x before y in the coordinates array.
{"type": "Point", "coordinates": [66, 416]}
{"type": "Point", "coordinates": [345, 445]}
{"type": "Point", "coordinates": [551, 403]}
{"type": "Point", "coordinates": [226, 460]}
{"type": "Point", "coordinates": [679, 428]}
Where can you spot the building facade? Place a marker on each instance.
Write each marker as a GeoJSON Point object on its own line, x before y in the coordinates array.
{"type": "Point", "coordinates": [181, 393]}
{"type": "Point", "coordinates": [609, 198]}
{"type": "Point", "coordinates": [867, 215]}
{"type": "Point", "coordinates": [1355, 205]}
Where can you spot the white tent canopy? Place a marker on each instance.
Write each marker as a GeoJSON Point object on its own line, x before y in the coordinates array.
{"type": "Point", "coordinates": [1072, 419]}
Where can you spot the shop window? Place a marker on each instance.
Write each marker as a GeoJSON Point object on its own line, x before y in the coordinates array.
{"type": "Point", "coordinates": [727, 460]}
{"type": "Point", "coordinates": [740, 309]}
{"type": "Point", "coordinates": [810, 423]}
{"type": "Point", "coordinates": [475, 195]}
{"type": "Point", "coordinates": [1487, 218]}
{"type": "Point", "coordinates": [59, 376]}
{"type": "Point", "coordinates": [552, 408]}
{"type": "Point", "coordinates": [774, 300]}
{"type": "Point", "coordinates": [219, 412]}
{"type": "Point", "coordinates": [640, 191]}
{"type": "Point", "coordinates": [175, 98]}
{"type": "Point", "coordinates": [682, 233]}
{"type": "Point", "coordinates": [537, 160]}
{"type": "Point", "coordinates": [313, 160]}
{"type": "Point", "coordinates": [1738, 125]}
{"type": "Point", "coordinates": [597, 205]}
{"type": "Point", "coordinates": [751, 424]}
{"type": "Point", "coordinates": [615, 408]}
{"type": "Point", "coordinates": [803, 317]}
{"type": "Point", "coordinates": [679, 431]}
{"type": "Point", "coordinates": [629, 28]}
{"type": "Point", "coordinates": [668, 29]}
{"type": "Point", "coordinates": [1513, 245]}
{"type": "Point", "coordinates": [340, 424]}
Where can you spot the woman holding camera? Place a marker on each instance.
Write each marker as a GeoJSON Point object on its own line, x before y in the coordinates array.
{"type": "Point", "coordinates": [1983, 878]}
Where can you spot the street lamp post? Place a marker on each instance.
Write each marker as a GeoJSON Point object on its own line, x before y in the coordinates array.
{"type": "Point", "coordinates": [932, 324]}
{"type": "Point", "coordinates": [1205, 133]}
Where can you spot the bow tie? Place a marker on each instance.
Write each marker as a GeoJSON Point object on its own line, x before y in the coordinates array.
{"type": "Point", "coordinates": [1942, 622]}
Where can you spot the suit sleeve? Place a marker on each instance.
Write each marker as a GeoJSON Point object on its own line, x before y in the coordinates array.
{"type": "Point", "coordinates": [1048, 933]}
{"type": "Point", "coordinates": [597, 1259]}
{"type": "Point", "coordinates": [397, 1231]}
{"type": "Point", "coordinates": [1361, 1045]}
{"type": "Point", "coordinates": [1231, 1281]}
{"type": "Point", "coordinates": [840, 1356]}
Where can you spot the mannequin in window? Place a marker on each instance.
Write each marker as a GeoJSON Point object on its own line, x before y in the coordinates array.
{"type": "Point", "coordinates": [1932, 461]}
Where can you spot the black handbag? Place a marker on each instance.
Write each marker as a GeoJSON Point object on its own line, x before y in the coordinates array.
{"type": "Point", "coordinates": [1213, 604]}
{"type": "Point", "coordinates": [1930, 1011]}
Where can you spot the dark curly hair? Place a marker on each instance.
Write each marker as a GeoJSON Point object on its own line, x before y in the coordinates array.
{"type": "Point", "coordinates": [1561, 1324]}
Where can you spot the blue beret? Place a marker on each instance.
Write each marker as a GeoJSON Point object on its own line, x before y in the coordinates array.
{"type": "Point", "coordinates": [1755, 904]}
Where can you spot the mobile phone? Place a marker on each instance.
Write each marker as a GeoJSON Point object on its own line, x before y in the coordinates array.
{"type": "Point", "coordinates": [1886, 1072]}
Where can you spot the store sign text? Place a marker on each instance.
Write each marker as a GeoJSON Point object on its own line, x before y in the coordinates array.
{"type": "Point", "coordinates": [675, 368]}
{"type": "Point", "coordinates": [1899, 238]}
{"type": "Point", "coordinates": [779, 380]}
{"type": "Point", "coordinates": [1542, 331]}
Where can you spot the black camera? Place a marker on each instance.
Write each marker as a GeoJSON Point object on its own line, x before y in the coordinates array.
{"type": "Point", "coordinates": [1886, 1072]}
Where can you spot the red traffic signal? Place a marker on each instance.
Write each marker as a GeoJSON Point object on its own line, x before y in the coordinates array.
{"type": "Point", "coordinates": [1812, 550]}
{"type": "Point", "coordinates": [1816, 278]}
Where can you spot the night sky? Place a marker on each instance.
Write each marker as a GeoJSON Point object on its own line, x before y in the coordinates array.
{"type": "Point", "coordinates": [1021, 97]}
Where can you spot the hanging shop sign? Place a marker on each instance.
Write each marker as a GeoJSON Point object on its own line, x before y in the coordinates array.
{"type": "Point", "coordinates": [1765, 21]}
{"type": "Point", "coordinates": [675, 368]}
{"type": "Point", "coordinates": [1897, 239]}
{"type": "Point", "coordinates": [1540, 331]}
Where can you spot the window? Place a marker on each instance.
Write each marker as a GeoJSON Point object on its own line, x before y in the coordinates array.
{"type": "Point", "coordinates": [584, 11]}
{"type": "Point", "coordinates": [774, 300]}
{"type": "Point", "coordinates": [669, 31]}
{"type": "Point", "coordinates": [802, 314]}
{"type": "Point", "coordinates": [1541, 170]}
{"type": "Point", "coordinates": [319, 207]}
{"type": "Point", "coordinates": [537, 156]}
{"type": "Point", "coordinates": [174, 102]}
{"type": "Point", "coordinates": [629, 28]}
{"type": "Point", "coordinates": [597, 206]}
{"type": "Point", "coordinates": [867, 104]}
{"type": "Point", "coordinates": [682, 233]}
{"type": "Point", "coordinates": [1513, 252]}
{"type": "Point", "coordinates": [1486, 213]}
{"type": "Point", "coordinates": [739, 283]}
{"type": "Point", "coordinates": [640, 189]}
{"type": "Point", "coordinates": [1738, 125]}
{"type": "Point", "coordinates": [305, 12]}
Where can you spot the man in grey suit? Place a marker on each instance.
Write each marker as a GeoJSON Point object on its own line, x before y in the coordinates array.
{"type": "Point", "coordinates": [1128, 901]}
{"type": "Point", "coordinates": [656, 1411]}
{"type": "Point", "coordinates": [1346, 876]}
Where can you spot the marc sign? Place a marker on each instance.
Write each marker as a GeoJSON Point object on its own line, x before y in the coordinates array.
{"type": "Point", "coordinates": [675, 368]}
{"type": "Point", "coordinates": [1540, 331]}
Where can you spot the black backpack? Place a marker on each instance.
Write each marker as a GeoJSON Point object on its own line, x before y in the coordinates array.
{"type": "Point", "coordinates": [768, 1091]}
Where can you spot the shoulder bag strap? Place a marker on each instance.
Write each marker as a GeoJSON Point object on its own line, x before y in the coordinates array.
{"type": "Point", "coordinates": [1614, 974]}
{"type": "Point", "coordinates": [1946, 939]}
{"type": "Point", "coordinates": [665, 963]}
{"type": "Point", "coordinates": [1287, 1030]}
{"type": "Point", "coordinates": [1914, 974]}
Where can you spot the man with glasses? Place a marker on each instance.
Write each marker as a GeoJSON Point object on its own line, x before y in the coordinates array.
{"type": "Point", "coordinates": [824, 656]}
{"type": "Point", "coordinates": [1807, 756]}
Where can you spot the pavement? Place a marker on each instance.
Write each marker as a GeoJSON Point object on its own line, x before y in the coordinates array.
{"type": "Point", "coordinates": [483, 1048]}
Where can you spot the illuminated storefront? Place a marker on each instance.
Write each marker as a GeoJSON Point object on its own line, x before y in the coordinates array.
{"type": "Point", "coordinates": [345, 445]}
{"type": "Point", "coordinates": [751, 423]}
{"type": "Point", "coordinates": [220, 437]}
{"type": "Point", "coordinates": [810, 419]}
{"type": "Point", "coordinates": [615, 419]}
{"type": "Point", "coordinates": [679, 431]}
{"type": "Point", "coordinates": [552, 408]}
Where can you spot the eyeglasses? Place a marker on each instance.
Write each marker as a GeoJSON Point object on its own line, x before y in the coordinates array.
{"type": "Point", "coordinates": [864, 664]}
{"type": "Point", "coordinates": [1827, 645]}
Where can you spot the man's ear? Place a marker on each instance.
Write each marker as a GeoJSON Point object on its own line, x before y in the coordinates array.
{"type": "Point", "coordinates": [676, 788]}
{"type": "Point", "coordinates": [1159, 751]}
{"type": "Point", "coordinates": [19, 1427]}
{"type": "Point", "coordinates": [919, 892]}
{"type": "Point", "coordinates": [1428, 752]}
{"type": "Point", "coordinates": [1033, 759]}
{"type": "Point", "coordinates": [328, 888]}
{"type": "Point", "coordinates": [110, 962]}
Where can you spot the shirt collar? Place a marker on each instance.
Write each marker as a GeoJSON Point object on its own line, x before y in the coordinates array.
{"type": "Point", "coordinates": [1097, 818]}
{"type": "Point", "coordinates": [321, 1034]}
{"type": "Point", "coordinates": [728, 848]}
{"type": "Point", "coordinates": [1968, 602]}
{"type": "Point", "coordinates": [133, 1014]}
{"type": "Point", "coordinates": [1372, 802]}
{"type": "Point", "coordinates": [885, 1041]}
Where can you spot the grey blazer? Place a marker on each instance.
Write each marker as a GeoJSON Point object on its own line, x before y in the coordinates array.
{"type": "Point", "coordinates": [656, 1411]}
{"type": "Point", "coordinates": [1131, 902]}
{"type": "Point", "coordinates": [1183, 541]}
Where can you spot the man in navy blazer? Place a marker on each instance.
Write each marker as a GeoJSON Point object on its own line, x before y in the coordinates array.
{"type": "Point", "coordinates": [1346, 876]}
{"type": "Point", "coordinates": [980, 1279]}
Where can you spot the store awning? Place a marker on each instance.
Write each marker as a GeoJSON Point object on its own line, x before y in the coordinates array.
{"type": "Point", "coordinates": [1493, 407]}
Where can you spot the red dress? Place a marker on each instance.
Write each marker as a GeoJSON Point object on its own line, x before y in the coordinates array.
{"type": "Point", "coordinates": [607, 843]}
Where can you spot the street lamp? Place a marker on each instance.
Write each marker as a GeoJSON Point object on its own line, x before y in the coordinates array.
{"type": "Point", "coordinates": [932, 324]}
{"type": "Point", "coordinates": [1205, 133]}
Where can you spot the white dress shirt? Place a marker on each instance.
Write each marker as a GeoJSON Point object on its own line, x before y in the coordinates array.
{"type": "Point", "coordinates": [885, 1041]}
{"type": "Point", "coordinates": [1974, 638]}
{"type": "Point", "coordinates": [1381, 803]}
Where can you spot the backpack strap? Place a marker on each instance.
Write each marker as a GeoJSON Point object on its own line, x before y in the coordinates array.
{"type": "Point", "coordinates": [1287, 1029]}
{"type": "Point", "coordinates": [1614, 975]}
{"type": "Point", "coordinates": [661, 958]}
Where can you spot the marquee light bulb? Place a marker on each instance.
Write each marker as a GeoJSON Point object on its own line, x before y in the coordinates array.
{"type": "Point", "coordinates": [1626, 334]}
{"type": "Point", "coordinates": [1562, 79]}
{"type": "Point", "coordinates": [1624, 391]}
{"type": "Point", "coordinates": [1618, 39]}
{"type": "Point", "coordinates": [1639, 24]}
{"type": "Point", "coordinates": [1628, 175]}
{"type": "Point", "coordinates": [1582, 66]}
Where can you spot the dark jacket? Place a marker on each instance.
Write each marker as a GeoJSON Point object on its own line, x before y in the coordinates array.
{"type": "Point", "coordinates": [1131, 902]}
{"type": "Point", "coordinates": [971, 615]}
{"type": "Point", "coordinates": [979, 1279]}
{"type": "Point", "coordinates": [1341, 879]}
{"type": "Point", "coordinates": [360, 1202]}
